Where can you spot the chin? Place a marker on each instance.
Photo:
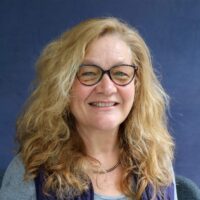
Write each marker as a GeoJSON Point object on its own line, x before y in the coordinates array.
{"type": "Point", "coordinates": [107, 125]}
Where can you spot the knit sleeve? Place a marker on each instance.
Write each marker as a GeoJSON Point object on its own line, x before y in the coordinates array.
{"type": "Point", "coordinates": [13, 185]}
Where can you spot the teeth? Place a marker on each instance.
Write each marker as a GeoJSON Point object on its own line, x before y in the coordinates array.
{"type": "Point", "coordinates": [102, 104]}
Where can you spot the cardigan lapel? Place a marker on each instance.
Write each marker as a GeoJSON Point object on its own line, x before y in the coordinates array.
{"type": "Point", "coordinates": [89, 194]}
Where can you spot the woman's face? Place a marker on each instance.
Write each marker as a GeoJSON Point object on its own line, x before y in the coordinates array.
{"type": "Point", "coordinates": [103, 106]}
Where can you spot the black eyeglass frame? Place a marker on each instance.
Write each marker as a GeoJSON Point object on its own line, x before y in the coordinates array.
{"type": "Point", "coordinates": [108, 73]}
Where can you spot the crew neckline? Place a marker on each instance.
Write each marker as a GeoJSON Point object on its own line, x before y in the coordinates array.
{"type": "Point", "coordinates": [110, 197]}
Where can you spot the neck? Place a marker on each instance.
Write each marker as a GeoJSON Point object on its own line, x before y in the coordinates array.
{"type": "Point", "coordinates": [101, 145]}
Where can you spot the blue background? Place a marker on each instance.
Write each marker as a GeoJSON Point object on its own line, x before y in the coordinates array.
{"type": "Point", "coordinates": [171, 29]}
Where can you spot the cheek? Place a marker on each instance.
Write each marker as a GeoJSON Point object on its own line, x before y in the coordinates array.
{"type": "Point", "coordinates": [79, 93]}
{"type": "Point", "coordinates": [129, 93]}
{"type": "Point", "coordinates": [129, 101]}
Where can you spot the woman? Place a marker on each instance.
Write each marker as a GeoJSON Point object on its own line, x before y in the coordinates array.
{"type": "Point", "coordinates": [95, 124]}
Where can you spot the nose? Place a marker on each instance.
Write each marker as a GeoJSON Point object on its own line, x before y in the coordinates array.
{"type": "Point", "coordinates": [106, 86]}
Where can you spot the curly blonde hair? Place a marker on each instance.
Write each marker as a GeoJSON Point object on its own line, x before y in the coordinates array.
{"type": "Point", "coordinates": [45, 129]}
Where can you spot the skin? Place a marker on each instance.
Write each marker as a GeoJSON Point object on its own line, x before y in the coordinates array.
{"type": "Point", "coordinates": [98, 126]}
{"type": "Point", "coordinates": [106, 52]}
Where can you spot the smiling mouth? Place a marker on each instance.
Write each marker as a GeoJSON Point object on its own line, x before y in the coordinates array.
{"type": "Point", "coordinates": [103, 104]}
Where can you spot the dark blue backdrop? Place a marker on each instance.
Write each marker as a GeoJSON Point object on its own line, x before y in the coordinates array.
{"type": "Point", "coordinates": [171, 28]}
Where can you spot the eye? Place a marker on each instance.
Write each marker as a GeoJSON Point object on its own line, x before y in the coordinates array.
{"type": "Point", "coordinates": [120, 73]}
{"type": "Point", "coordinates": [89, 73]}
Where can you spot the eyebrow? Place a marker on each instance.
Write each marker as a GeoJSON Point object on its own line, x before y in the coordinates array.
{"type": "Point", "coordinates": [89, 61]}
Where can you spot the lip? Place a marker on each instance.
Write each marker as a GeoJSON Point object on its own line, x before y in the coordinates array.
{"type": "Point", "coordinates": [103, 104]}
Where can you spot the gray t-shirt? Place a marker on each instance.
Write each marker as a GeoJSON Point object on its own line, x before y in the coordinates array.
{"type": "Point", "coordinates": [105, 197]}
{"type": "Point", "coordinates": [15, 188]}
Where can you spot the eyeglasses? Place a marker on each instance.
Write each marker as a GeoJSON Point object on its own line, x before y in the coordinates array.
{"type": "Point", "coordinates": [120, 74]}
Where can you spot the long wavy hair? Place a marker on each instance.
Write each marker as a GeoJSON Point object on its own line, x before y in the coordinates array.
{"type": "Point", "coordinates": [45, 129]}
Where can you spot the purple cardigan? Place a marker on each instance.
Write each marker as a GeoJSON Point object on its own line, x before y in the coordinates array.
{"type": "Point", "coordinates": [89, 194]}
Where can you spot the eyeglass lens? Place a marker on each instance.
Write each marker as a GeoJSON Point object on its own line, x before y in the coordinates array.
{"type": "Point", "coordinates": [92, 74]}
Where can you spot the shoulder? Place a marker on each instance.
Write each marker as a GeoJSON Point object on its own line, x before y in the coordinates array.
{"type": "Point", "coordinates": [14, 186]}
{"type": "Point", "coordinates": [174, 183]}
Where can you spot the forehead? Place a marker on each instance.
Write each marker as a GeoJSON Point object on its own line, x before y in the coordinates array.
{"type": "Point", "coordinates": [108, 49]}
